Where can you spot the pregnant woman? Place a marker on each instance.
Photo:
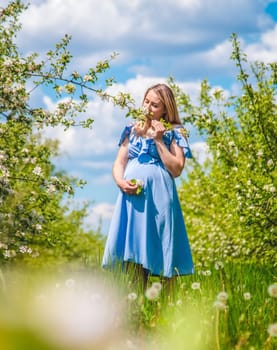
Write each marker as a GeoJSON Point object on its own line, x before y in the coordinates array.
{"type": "Point", "coordinates": [147, 230]}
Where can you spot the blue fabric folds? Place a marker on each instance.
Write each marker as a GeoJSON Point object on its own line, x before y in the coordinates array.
{"type": "Point", "coordinates": [149, 228]}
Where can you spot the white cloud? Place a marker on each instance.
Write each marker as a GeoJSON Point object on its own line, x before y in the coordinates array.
{"type": "Point", "coordinates": [100, 139]}
{"type": "Point", "coordinates": [100, 214]}
{"type": "Point", "coordinates": [200, 151]}
{"type": "Point", "coordinates": [97, 164]}
{"type": "Point", "coordinates": [266, 49]}
{"type": "Point", "coordinates": [218, 55]}
{"type": "Point", "coordinates": [139, 29]}
{"type": "Point", "coordinates": [105, 210]}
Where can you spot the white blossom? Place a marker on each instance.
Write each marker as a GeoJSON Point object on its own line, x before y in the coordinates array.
{"type": "Point", "coordinates": [37, 171]}
{"type": "Point", "coordinates": [51, 188]}
{"type": "Point", "coordinates": [87, 77]}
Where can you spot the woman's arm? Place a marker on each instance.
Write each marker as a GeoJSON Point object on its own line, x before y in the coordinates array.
{"type": "Point", "coordinates": [173, 159]}
{"type": "Point", "coordinates": [119, 168]}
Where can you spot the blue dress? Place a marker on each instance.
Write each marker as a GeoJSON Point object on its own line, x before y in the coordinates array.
{"type": "Point", "coordinates": [148, 228]}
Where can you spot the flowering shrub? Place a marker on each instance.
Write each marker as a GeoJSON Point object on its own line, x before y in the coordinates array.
{"type": "Point", "coordinates": [34, 224]}
{"type": "Point", "coordinates": [230, 201]}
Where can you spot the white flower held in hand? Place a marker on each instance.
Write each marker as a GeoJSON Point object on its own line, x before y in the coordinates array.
{"type": "Point", "coordinates": [139, 183]}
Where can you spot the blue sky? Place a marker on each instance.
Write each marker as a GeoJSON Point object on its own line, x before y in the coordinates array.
{"type": "Point", "coordinates": [186, 39]}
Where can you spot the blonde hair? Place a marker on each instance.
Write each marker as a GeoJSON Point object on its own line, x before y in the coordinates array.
{"type": "Point", "coordinates": [166, 96]}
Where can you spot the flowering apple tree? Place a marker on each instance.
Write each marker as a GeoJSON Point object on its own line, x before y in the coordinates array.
{"type": "Point", "coordinates": [230, 201]}
{"type": "Point", "coordinates": [33, 222]}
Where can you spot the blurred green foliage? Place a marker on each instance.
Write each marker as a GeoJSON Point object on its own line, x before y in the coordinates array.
{"type": "Point", "coordinates": [229, 202]}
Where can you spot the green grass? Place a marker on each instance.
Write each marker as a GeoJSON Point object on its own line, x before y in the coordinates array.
{"type": "Point", "coordinates": [190, 316]}
{"type": "Point", "coordinates": [188, 319]}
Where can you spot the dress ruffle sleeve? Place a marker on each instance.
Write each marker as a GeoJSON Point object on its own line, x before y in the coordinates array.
{"type": "Point", "coordinates": [125, 133]}
{"type": "Point", "coordinates": [182, 141]}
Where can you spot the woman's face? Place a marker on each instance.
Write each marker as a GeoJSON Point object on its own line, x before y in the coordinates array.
{"type": "Point", "coordinates": [154, 105]}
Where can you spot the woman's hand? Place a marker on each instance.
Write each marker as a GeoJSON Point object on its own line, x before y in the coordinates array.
{"type": "Point", "coordinates": [127, 186]}
{"type": "Point", "coordinates": [158, 129]}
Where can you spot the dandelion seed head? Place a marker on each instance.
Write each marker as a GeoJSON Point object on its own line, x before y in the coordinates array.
{"type": "Point", "coordinates": [218, 265]}
{"type": "Point", "coordinates": [157, 285]}
{"type": "Point", "coordinates": [195, 285]}
{"type": "Point", "coordinates": [152, 293]}
{"type": "Point", "coordinates": [272, 290]}
{"type": "Point", "coordinates": [222, 296]}
{"type": "Point", "coordinates": [247, 296]}
{"type": "Point", "coordinates": [219, 305]}
{"type": "Point", "coordinates": [70, 283]}
{"type": "Point", "coordinates": [132, 296]}
{"type": "Point", "coordinates": [272, 330]}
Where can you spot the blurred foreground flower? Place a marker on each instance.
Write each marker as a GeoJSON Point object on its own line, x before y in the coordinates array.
{"type": "Point", "coordinates": [77, 313]}
{"type": "Point", "coordinates": [72, 313]}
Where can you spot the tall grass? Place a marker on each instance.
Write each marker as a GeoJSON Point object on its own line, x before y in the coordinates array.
{"type": "Point", "coordinates": [220, 307]}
